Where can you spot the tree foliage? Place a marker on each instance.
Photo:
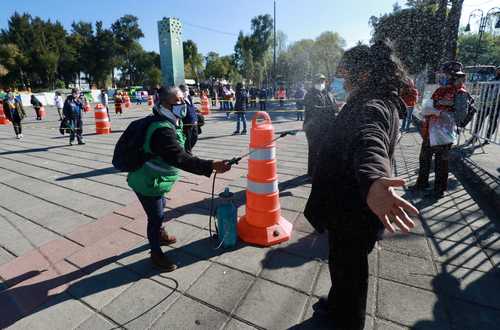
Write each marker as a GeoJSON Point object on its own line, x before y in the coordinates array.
{"type": "Point", "coordinates": [41, 54]}
{"type": "Point", "coordinates": [471, 53]}
{"type": "Point", "coordinates": [193, 60]}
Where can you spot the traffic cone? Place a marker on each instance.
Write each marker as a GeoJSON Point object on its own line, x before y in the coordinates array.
{"type": "Point", "coordinates": [205, 105]}
{"type": "Point", "coordinates": [127, 101]}
{"type": "Point", "coordinates": [3, 118]}
{"type": "Point", "coordinates": [42, 112]}
{"type": "Point", "coordinates": [263, 224]}
{"type": "Point", "coordinates": [102, 124]}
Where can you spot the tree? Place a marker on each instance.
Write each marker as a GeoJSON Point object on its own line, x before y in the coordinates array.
{"type": "Point", "coordinates": [327, 51]}
{"type": "Point", "coordinates": [193, 60]}
{"type": "Point", "coordinates": [488, 53]}
{"type": "Point", "coordinates": [452, 26]}
{"type": "Point", "coordinates": [126, 31]}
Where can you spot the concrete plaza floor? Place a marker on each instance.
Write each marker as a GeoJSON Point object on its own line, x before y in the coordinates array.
{"type": "Point", "coordinates": [73, 253]}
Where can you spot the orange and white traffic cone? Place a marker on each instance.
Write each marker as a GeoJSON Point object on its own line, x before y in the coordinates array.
{"type": "Point", "coordinates": [263, 224]}
{"type": "Point", "coordinates": [102, 124]}
{"type": "Point", "coordinates": [205, 105]}
{"type": "Point", "coordinates": [3, 118]}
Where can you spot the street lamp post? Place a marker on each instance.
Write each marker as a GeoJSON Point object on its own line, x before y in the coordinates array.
{"type": "Point", "coordinates": [483, 23]}
{"type": "Point", "coordinates": [274, 44]}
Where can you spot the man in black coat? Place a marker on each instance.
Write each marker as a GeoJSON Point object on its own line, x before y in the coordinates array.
{"type": "Point", "coordinates": [320, 113]}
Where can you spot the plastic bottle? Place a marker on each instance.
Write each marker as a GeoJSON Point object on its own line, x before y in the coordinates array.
{"type": "Point", "coordinates": [226, 220]}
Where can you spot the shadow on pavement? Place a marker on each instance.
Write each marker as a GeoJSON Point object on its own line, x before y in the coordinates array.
{"type": "Point", "coordinates": [27, 151]}
{"type": "Point", "coordinates": [90, 174]}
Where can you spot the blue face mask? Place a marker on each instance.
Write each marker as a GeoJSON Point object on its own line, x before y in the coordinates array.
{"type": "Point", "coordinates": [443, 81]}
{"type": "Point", "coordinates": [179, 110]}
{"type": "Point", "coordinates": [338, 88]}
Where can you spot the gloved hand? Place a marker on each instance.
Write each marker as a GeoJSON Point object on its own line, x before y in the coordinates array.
{"type": "Point", "coordinates": [221, 166]}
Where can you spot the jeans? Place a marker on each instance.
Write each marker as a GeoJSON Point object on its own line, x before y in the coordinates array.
{"type": "Point", "coordinates": [442, 155]}
{"type": "Point", "coordinates": [227, 106]}
{"type": "Point", "coordinates": [153, 206]}
{"type": "Point", "coordinates": [407, 119]}
{"type": "Point", "coordinates": [241, 116]}
{"type": "Point", "coordinates": [262, 104]}
{"type": "Point", "coordinates": [76, 130]}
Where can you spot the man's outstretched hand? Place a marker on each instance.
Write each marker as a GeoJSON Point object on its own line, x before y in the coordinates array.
{"type": "Point", "coordinates": [221, 166]}
{"type": "Point", "coordinates": [390, 208]}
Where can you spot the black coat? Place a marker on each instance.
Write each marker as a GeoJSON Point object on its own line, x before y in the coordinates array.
{"type": "Point", "coordinates": [357, 150]}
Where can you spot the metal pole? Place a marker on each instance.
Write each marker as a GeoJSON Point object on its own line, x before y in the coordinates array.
{"type": "Point", "coordinates": [274, 46]}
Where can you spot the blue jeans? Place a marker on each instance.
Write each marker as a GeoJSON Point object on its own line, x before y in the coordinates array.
{"type": "Point", "coordinates": [407, 120]}
{"type": "Point", "coordinates": [241, 116]}
{"type": "Point", "coordinates": [153, 206]}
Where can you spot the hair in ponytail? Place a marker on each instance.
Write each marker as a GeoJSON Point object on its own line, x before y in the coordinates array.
{"type": "Point", "coordinates": [384, 69]}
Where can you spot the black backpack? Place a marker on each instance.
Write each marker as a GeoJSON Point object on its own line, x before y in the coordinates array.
{"type": "Point", "coordinates": [129, 154]}
{"type": "Point", "coordinates": [471, 111]}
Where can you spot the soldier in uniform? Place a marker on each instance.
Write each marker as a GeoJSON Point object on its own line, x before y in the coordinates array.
{"type": "Point", "coordinates": [320, 112]}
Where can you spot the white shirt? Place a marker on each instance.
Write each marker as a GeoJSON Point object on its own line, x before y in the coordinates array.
{"type": "Point", "coordinates": [58, 101]}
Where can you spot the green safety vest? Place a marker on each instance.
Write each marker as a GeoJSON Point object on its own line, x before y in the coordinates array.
{"type": "Point", "coordinates": [156, 177]}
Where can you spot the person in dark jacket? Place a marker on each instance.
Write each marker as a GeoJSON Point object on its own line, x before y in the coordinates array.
{"type": "Point", "coordinates": [190, 122]}
{"type": "Point", "coordinates": [72, 111]}
{"type": "Point", "coordinates": [36, 105]}
{"type": "Point", "coordinates": [165, 140]}
{"type": "Point", "coordinates": [14, 111]}
{"type": "Point", "coordinates": [320, 112]}
{"type": "Point", "coordinates": [299, 102]}
{"type": "Point", "coordinates": [262, 99]}
{"type": "Point", "coordinates": [352, 194]}
{"type": "Point", "coordinates": [240, 107]}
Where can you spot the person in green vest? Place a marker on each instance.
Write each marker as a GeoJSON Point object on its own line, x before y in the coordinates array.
{"type": "Point", "coordinates": [165, 140]}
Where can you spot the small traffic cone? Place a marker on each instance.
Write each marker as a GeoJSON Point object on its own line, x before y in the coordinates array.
{"type": "Point", "coordinates": [3, 118]}
{"type": "Point", "coordinates": [102, 124]}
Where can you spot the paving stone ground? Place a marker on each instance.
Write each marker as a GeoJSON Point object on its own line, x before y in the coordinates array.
{"type": "Point", "coordinates": [73, 253]}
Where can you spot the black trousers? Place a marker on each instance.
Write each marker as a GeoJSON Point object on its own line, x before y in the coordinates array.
{"type": "Point", "coordinates": [441, 160]}
{"type": "Point", "coordinates": [191, 133]}
{"type": "Point", "coordinates": [314, 144]}
{"type": "Point", "coordinates": [18, 128]}
{"type": "Point", "coordinates": [262, 104]}
{"type": "Point", "coordinates": [348, 264]}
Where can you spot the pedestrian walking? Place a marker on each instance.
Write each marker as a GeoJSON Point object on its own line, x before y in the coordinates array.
{"type": "Point", "coordinates": [138, 98]}
{"type": "Point", "coordinates": [410, 96]}
{"type": "Point", "coordinates": [165, 141]}
{"type": "Point", "coordinates": [320, 112]}
{"type": "Point", "coordinates": [263, 99]}
{"type": "Point", "coordinates": [190, 121]}
{"type": "Point", "coordinates": [299, 102]}
{"type": "Point", "coordinates": [228, 100]}
{"type": "Point", "coordinates": [14, 112]}
{"type": "Point", "coordinates": [119, 103]}
{"type": "Point", "coordinates": [253, 92]}
{"type": "Point", "coordinates": [35, 102]}
{"type": "Point", "coordinates": [352, 194]}
{"type": "Point", "coordinates": [438, 129]}
{"type": "Point", "coordinates": [59, 103]}
{"type": "Point", "coordinates": [73, 108]}
{"type": "Point", "coordinates": [240, 107]}
{"type": "Point", "coordinates": [104, 100]}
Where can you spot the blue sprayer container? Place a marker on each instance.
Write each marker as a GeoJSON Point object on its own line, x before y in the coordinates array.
{"type": "Point", "coordinates": [226, 220]}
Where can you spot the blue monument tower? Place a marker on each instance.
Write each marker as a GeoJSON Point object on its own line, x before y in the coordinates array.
{"type": "Point", "coordinates": [171, 53]}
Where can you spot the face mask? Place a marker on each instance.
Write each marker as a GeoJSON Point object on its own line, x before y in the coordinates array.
{"type": "Point", "coordinates": [179, 110]}
{"type": "Point", "coordinates": [320, 87]}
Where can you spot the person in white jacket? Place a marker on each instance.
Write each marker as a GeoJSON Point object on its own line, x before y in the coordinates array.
{"type": "Point", "coordinates": [59, 103]}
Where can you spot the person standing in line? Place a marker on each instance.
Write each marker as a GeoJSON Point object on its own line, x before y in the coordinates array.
{"type": "Point", "coordinates": [104, 100]}
{"type": "Point", "coordinates": [73, 108]}
{"type": "Point", "coordinates": [156, 177]}
{"type": "Point", "coordinates": [281, 96]}
{"type": "Point", "coordinates": [410, 97]}
{"type": "Point", "coordinates": [119, 103]}
{"type": "Point", "coordinates": [138, 98]}
{"type": "Point", "coordinates": [450, 99]}
{"type": "Point", "coordinates": [59, 103]}
{"type": "Point", "coordinates": [299, 101]}
{"type": "Point", "coordinates": [240, 107]}
{"type": "Point", "coordinates": [190, 121]}
{"type": "Point", "coordinates": [253, 97]}
{"type": "Point", "coordinates": [263, 99]}
{"type": "Point", "coordinates": [36, 105]}
{"type": "Point", "coordinates": [14, 112]}
{"type": "Point", "coordinates": [352, 195]}
{"type": "Point", "coordinates": [320, 112]}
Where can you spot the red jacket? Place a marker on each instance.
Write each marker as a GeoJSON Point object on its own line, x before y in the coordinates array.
{"type": "Point", "coordinates": [410, 95]}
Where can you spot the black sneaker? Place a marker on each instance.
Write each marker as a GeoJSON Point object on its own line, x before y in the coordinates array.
{"type": "Point", "coordinates": [162, 262]}
{"type": "Point", "coordinates": [244, 132]}
{"type": "Point", "coordinates": [81, 143]}
{"type": "Point", "coordinates": [236, 132]}
{"type": "Point", "coordinates": [70, 143]}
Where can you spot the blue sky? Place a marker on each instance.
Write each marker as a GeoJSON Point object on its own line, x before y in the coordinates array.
{"type": "Point", "coordinates": [297, 18]}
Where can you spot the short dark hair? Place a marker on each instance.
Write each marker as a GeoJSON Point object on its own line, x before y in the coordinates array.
{"type": "Point", "coordinates": [166, 92]}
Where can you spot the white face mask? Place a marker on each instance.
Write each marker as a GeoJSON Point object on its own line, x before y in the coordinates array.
{"type": "Point", "coordinates": [320, 87]}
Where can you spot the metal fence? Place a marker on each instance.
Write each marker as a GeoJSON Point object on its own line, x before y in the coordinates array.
{"type": "Point", "coordinates": [485, 125]}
